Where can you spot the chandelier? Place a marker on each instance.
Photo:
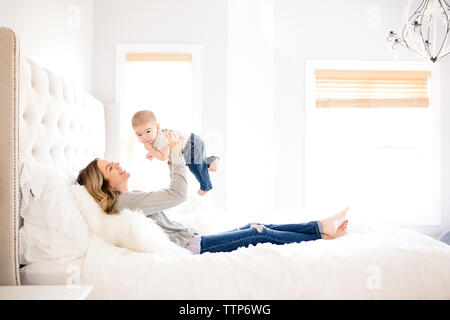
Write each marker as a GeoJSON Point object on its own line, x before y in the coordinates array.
{"type": "Point", "coordinates": [425, 31]}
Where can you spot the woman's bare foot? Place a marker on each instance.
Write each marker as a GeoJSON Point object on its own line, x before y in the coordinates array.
{"type": "Point", "coordinates": [342, 230]}
{"type": "Point", "coordinates": [330, 225]}
{"type": "Point", "coordinates": [214, 165]}
{"type": "Point", "coordinates": [201, 192]}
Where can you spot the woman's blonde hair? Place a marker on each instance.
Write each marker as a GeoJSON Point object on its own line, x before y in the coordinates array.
{"type": "Point", "coordinates": [98, 187]}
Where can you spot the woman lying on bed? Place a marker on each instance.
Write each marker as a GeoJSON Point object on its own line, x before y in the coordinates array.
{"type": "Point", "coordinates": [107, 183]}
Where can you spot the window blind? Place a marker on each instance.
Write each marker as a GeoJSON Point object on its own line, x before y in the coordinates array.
{"type": "Point", "coordinates": [158, 57]}
{"type": "Point", "coordinates": [371, 88]}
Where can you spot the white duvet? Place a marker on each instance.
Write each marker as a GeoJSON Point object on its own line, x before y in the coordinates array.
{"type": "Point", "coordinates": [370, 262]}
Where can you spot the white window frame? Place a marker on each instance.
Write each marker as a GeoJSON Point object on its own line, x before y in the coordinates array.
{"type": "Point", "coordinates": [435, 104]}
{"type": "Point", "coordinates": [196, 52]}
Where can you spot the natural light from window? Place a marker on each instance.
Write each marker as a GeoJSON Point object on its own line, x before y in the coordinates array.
{"type": "Point", "coordinates": [166, 88]}
{"type": "Point", "coordinates": [383, 162]}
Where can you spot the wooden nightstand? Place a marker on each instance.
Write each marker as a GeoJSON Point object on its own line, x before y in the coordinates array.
{"type": "Point", "coordinates": [44, 292]}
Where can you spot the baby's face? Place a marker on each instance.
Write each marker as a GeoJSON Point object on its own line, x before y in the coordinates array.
{"type": "Point", "coordinates": [146, 132]}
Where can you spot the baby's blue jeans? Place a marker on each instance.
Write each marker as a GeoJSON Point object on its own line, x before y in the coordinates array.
{"type": "Point", "coordinates": [194, 153]}
{"type": "Point", "coordinates": [271, 233]}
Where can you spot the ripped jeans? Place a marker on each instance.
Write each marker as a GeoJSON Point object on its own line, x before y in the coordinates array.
{"type": "Point", "coordinates": [250, 235]}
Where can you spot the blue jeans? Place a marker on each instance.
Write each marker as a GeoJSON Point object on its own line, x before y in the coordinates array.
{"type": "Point", "coordinates": [271, 233]}
{"type": "Point", "coordinates": [194, 153]}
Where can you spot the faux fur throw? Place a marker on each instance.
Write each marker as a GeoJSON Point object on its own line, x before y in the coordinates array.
{"type": "Point", "coordinates": [129, 229]}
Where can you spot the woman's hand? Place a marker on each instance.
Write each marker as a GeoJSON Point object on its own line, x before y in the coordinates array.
{"type": "Point", "coordinates": [175, 142]}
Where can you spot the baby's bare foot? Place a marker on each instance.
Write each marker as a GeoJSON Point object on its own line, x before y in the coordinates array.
{"type": "Point", "coordinates": [201, 192]}
{"type": "Point", "coordinates": [214, 165]}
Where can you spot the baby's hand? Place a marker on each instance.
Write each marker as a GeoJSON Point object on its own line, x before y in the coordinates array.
{"type": "Point", "coordinates": [149, 156]}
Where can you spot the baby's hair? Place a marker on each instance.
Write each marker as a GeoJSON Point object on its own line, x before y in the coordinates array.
{"type": "Point", "coordinates": [143, 116]}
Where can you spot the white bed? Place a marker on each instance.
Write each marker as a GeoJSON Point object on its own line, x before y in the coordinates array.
{"type": "Point", "coordinates": [52, 273]}
{"type": "Point", "coordinates": [370, 262]}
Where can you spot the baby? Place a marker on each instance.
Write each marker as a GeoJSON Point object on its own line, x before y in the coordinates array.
{"type": "Point", "coordinates": [149, 133]}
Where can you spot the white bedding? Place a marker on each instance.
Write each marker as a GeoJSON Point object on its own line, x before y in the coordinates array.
{"type": "Point", "coordinates": [52, 273]}
{"type": "Point", "coordinates": [376, 262]}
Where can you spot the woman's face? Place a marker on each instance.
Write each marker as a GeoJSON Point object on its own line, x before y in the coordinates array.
{"type": "Point", "coordinates": [116, 176]}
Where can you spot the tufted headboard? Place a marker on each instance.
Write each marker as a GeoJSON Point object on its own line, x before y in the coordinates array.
{"type": "Point", "coordinates": [44, 119]}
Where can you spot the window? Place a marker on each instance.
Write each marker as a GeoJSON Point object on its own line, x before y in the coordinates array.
{"type": "Point", "coordinates": [166, 80]}
{"type": "Point", "coordinates": [373, 140]}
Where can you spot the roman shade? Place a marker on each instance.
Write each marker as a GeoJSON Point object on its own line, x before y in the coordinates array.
{"type": "Point", "coordinates": [371, 88]}
{"type": "Point", "coordinates": [158, 57]}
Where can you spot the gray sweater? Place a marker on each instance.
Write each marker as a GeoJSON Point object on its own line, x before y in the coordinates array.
{"type": "Point", "coordinates": [152, 203]}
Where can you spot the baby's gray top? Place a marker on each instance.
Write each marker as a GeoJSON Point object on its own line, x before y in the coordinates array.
{"type": "Point", "coordinates": [152, 203]}
{"type": "Point", "coordinates": [160, 140]}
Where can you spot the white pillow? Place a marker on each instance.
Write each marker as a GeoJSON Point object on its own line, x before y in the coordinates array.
{"type": "Point", "coordinates": [53, 228]}
{"type": "Point", "coordinates": [128, 229]}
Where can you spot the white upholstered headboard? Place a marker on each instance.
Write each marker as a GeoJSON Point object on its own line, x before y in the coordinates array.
{"type": "Point", "coordinates": [44, 119]}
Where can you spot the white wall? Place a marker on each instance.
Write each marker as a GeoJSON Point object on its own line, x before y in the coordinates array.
{"type": "Point", "coordinates": [327, 29]}
{"type": "Point", "coordinates": [251, 106]}
{"type": "Point", "coordinates": [57, 34]}
{"type": "Point", "coordinates": [333, 30]}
